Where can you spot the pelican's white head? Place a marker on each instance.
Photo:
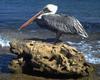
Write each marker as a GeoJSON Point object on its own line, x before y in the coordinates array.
{"type": "Point", "coordinates": [49, 9]}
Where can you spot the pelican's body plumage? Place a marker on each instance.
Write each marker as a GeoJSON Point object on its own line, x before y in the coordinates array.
{"type": "Point", "coordinates": [61, 24]}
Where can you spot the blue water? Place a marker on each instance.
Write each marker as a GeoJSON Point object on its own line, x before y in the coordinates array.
{"type": "Point", "coordinates": [13, 13]}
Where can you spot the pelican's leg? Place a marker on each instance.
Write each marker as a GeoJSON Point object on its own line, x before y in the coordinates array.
{"type": "Point", "coordinates": [58, 35]}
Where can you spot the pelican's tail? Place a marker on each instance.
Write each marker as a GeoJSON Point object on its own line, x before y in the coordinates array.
{"type": "Point", "coordinates": [80, 30]}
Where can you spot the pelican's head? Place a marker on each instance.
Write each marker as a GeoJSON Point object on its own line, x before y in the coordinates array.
{"type": "Point", "coordinates": [48, 9]}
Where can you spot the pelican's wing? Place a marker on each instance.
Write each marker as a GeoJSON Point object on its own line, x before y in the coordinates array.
{"type": "Point", "coordinates": [64, 24]}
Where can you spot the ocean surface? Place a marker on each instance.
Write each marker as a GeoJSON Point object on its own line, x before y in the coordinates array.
{"type": "Point", "coordinates": [13, 13]}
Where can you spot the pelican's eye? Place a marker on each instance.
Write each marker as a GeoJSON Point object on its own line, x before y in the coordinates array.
{"type": "Point", "coordinates": [46, 10]}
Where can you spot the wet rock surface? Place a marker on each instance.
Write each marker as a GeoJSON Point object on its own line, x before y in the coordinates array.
{"type": "Point", "coordinates": [43, 58]}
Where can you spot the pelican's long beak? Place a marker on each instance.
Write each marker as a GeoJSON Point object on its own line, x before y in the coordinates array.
{"type": "Point", "coordinates": [30, 20]}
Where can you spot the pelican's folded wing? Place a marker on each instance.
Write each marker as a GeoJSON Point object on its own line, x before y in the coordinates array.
{"type": "Point", "coordinates": [64, 24]}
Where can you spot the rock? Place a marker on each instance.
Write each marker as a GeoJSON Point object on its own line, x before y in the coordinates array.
{"type": "Point", "coordinates": [44, 57]}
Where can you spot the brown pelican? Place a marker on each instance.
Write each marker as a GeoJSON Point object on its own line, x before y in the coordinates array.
{"type": "Point", "coordinates": [60, 24]}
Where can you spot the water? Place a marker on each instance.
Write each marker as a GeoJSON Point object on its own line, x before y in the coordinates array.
{"type": "Point", "coordinates": [14, 13]}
